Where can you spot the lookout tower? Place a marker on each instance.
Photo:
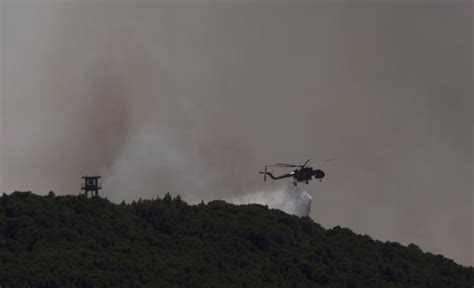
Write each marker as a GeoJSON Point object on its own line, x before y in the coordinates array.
{"type": "Point", "coordinates": [91, 184]}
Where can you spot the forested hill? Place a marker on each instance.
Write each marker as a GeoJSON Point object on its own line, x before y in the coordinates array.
{"type": "Point", "coordinates": [69, 241]}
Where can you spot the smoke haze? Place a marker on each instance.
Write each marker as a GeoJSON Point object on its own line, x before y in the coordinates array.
{"type": "Point", "coordinates": [194, 99]}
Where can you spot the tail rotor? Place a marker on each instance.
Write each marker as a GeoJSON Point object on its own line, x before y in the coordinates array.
{"type": "Point", "coordinates": [264, 173]}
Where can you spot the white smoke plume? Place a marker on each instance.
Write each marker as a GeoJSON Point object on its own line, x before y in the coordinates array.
{"type": "Point", "coordinates": [152, 164]}
{"type": "Point", "coordinates": [289, 199]}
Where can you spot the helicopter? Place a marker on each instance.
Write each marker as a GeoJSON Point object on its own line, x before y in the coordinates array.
{"type": "Point", "coordinates": [303, 173]}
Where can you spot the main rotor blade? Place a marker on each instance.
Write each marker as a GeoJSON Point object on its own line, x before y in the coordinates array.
{"type": "Point", "coordinates": [284, 165]}
{"type": "Point", "coordinates": [324, 161]}
{"type": "Point", "coordinates": [307, 161]}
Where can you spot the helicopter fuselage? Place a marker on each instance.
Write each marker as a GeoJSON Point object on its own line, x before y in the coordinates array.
{"type": "Point", "coordinates": [306, 174]}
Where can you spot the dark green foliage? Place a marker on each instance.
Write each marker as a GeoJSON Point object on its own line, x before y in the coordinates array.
{"type": "Point", "coordinates": [68, 241]}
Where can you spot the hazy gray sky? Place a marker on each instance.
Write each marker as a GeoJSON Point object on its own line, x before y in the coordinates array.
{"type": "Point", "coordinates": [194, 99]}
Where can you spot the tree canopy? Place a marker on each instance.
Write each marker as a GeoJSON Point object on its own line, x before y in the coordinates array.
{"type": "Point", "coordinates": [71, 241]}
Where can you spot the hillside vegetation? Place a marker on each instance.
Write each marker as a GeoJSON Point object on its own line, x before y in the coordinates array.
{"type": "Point", "coordinates": [70, 241]}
